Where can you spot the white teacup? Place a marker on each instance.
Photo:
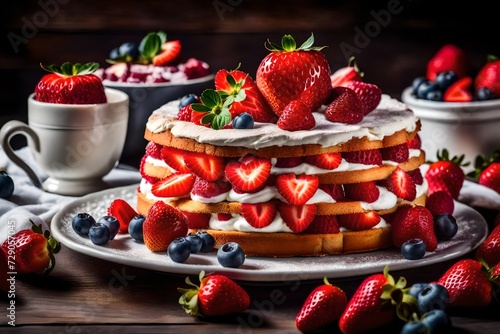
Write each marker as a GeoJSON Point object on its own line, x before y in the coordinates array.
{"type": "Point", "coordinates": [75, 145]}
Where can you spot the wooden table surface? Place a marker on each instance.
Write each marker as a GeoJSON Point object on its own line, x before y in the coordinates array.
{"type": "Point", "coordinates": [84, 294]}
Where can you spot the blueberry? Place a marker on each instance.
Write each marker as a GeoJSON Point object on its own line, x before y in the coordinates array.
{"type": "Point", "coordinates": [413, 249]}
{"type": "Point", "coordinates": [436, 321]}
{"type": "Point", "coordinates": [135, 227]}
{"type": "Point", "coordinates": [99, 234]}
{"type": "Point", "coordinates": [81, 223]}
{"type": "Point", "coordinates": [445, 79]}
{"type": "Point", "coordinates": [416, 288]}
{"type": "Point", "coordinates": [112, 223]}
{"type": "Point", "coordinates": [195, 242]}
{"type": "Point", "coordinates": [6, 185]}
{"type": "Point", "coordinates": [243, 121]}
{"type": "Point", "coordinates": [484, 94]}
{"type": "Point", "coordinates": [434, 95]}
{"type": "Point", "coordinates": [445, 226]}
{"type": "Point", "coordinates": [425, 87]}
{"type": "Point", "coordinates": [179, 250]}
{"type": "Point", "coordinates": [208, 241]}
{"type": "Point", "coordinates": [129, 50]}
{"type": "Point", "coordinates": [187, 100]}
{"type": "Point", "coordinates": [415, 83]}
{"type": "Point", "coordinates": [433, 297]}
{"type": "Point", "coordinates": [414, 327]}
{"type": "Point", "coordinates": [114, 54]}
{"type": "Point", "coordinates": [231, 255]}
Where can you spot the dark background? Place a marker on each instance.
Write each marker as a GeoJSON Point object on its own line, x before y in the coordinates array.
{"type": "Point", "coordinates": [395, 51]}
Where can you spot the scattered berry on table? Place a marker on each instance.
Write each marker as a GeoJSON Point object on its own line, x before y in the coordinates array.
{"type": "Point", "coordinates": [179, 250]}
{"type": "Point", "coordinates": [433, 297]}
{"type": "Point", "coordinates": [445, 226]}
{"type": "Point", "coordinates": [416, 288]}
{"type": "Point", "coordinates": [436, 321]}
{"type": "Point", "coordinates": [413, 249]}
{"type": "Point", "coordinates": [135, 227]}
{"type": "Point", "coordinates": [82, 222]}
{"type": "Point", "coordinates": [6, 185]}
{"type": "Point", "coordinates": [231, 255]}
{"type": "Point", "coordinates": [112, 223]}
{"type": "Point", "coordinates": [99, 234]}
{"type": "Point", "coordinates": [208, 241]}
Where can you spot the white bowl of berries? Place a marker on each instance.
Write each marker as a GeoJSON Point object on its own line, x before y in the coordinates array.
{"type": "Point", "coordinates": [459, 112]}
{"type": "Point", "coordinates": [151, 74]}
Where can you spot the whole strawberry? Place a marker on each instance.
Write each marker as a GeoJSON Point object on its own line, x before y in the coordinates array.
{"type": "Point", "coordinates": [348, 73]}
{"type": "Point", "coordinates": [162, 225]}
{"type": "Point", "coordinates": [71, 84]}
{"type": "Point", "coordinates": [290, 73]}
{"type": "Point", "coordinates": [375, 303]}
{"type": "Point", "coordinates": [4, 269]}
{"type": "Point", "coordinates": [346, 107]}
{"type": "Point", "coordinates": [369, 94]}
{"type": "Point", "coordinates": [296, 116]}
{"type": "Point", "coordinates": [323, 306]}
{"type": "Point", "coordinates": [489, 250]}
{"type": "Point", "coordinates": [487, 170]}
{"type": "Point", "coordinates": [34, 251]}
{"type": "Point", "coordinates": [467, 284]}
{"type": "Point", "coordinates": [449, 58]}
{"type": "Point", "coordinates": [410, 222]}
{"type": "Point", "coordinates": [489, 76]}
{"type": "Point", "coordinates": [446, 174]}
{"type": "Point", "coordinates": [215, 296]}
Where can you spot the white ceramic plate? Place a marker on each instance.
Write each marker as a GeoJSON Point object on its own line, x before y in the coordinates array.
{"type": "Point", "coordinates": [124, 250]}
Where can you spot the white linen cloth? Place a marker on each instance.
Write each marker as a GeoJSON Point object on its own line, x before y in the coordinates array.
{"type": "Point", "coordinates": [30, 202]}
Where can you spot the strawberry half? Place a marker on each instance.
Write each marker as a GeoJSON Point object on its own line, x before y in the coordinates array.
{"type": "Point", "coordinates": [323, 225]}
{"type": "Point", "coordinates": [162, 225]}
{"type": "Point", "coordinates": [336, 191]}
{"type": "Point", "coordinates": [343, 75]}
{"type": "Point", "coordinates": [297, 217]}
{"type": "Point", "coordinates": [206, 166]}
{"type": "Point", "coordinates": [324, 160]}
{"type": "Point", "coordinates": [124, 212]}
{"type": "Point", "coordinates": [169, 52]}
{"type": "Point", "coordinates": [248, 175]}
{"type": "Point", "coordinates": [297, 189]}
{"type": "Point", "coordinates": [489, 250]}
{"type": "Point", "coordinates": [247, 97]}
{"type": "Point", "coordinates": [440, 202]}
{"type": "Point", "coordinates": [174, 158]}
{"type": "Point", "coordinates": [174, 185]}
{"type": "Point", "coordinates": [259, 215]}
{"type": "Point", "coordinates": [296, 116]}
{"type": "Point", "coordinates": [398, 153]}
{"type": "Point", "coordinates": [415, 142]}
{"type": "Point", "coordinates": [401, 184]}
{"type": "Point", "coordinates": [345, 107]}
{"type": "Point", "coordinates": [369, 94]}
{"type": "Point", "coordinates": [359, 221]}
{"type": "Point", "coordinates": [459, 91]}
{"type": "Point", "coordinates": [363, 191]}
{"type": "Point", "coordinates": [365, 157]}
{"type": "Point", "coordinates": [71, 84]}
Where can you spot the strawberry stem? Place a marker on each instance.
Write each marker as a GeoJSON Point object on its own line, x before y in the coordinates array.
{"type": "Point", "coordinates": [288, 45]}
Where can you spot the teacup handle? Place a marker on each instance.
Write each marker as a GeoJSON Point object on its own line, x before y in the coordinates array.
{"type": "Point", "coordinates": [10, 129]}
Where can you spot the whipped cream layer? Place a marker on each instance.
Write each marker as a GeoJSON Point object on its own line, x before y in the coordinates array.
{"type": "Point", "coordinates": [389, 117]}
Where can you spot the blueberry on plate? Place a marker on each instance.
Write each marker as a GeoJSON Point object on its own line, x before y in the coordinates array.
{"type": "Point", "coordinates": [112, 223]}
{"type": "Point", "coordinates": [187, 100]}
{"type": "Point", "coordinates": [195, 242]}
{"type": "Point", "coordinates": [425, 87]}
{"type": "Point", "coordinates": [82, 222]}
{"type": "Point", "coordinates": [484, 94]}
{"type": "Point", "coordinates": [231, 255]}
{"type": "Point", "coordinates": [243, 121]}
{"type": "Point", "coordinates": [135, 227]}
{"type": "Point", "coordinates": [436, 321]}
{"type": "Point", "coordinates": [99, 234]}
{"type": "Point", "coordinates": [433, 297]}
{"type": "Point", "coordinates": [6, 185]}
{"type": "Point", "coordinates": [445, 79]}
{"type": "Point", "coordinates": [179, 250]}
{"type": "Point", "coordinates": [413, 249]}
{"type": "Point", "coordinates": [208, 241]}
{"type": "Point", "coordinates": [445, 226]}
{"type": "Point", "coordinates": [415, 83]}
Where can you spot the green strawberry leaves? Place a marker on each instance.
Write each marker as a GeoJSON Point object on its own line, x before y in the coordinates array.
{"type": "Point", "coordinates": [151, 44]}
{"type": "Point", "coordinates": [288, 44]}
{"type": "Point", "coordinates": [68, 69]}
{"type": "Point", "coordinates": [216, 106]}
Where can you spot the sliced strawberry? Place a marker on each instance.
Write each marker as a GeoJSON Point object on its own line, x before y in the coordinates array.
{"type": "Point", "coordinates": [345, 107]}
{"type": "Point", "coordinates": [196, 117]}
{"type": "Point", "coordinates": [324, 160]}
{"type": "Point", "coordinates": [288, 162]}
{"type": "Point", "coordinates": [365, 157]}
{"type": "Point", "coordinates": [206, 166]}
{"type": "Point", "coordinates": [174, 157]}
{"type": "Point", "coordinates": [297, 189]}
{"type": "Point", "coordinates": [153, 150]}
{"type": "Point", "coordinates": [323, 225]}
{"type": "Point", "coordinates": [415, 142]}
{"type": "Point", "coordinates": [459, 91]}
{"type": "Point", "coordinates": [223, 217]}
{"type": "Point", "coordinates": [440, 202]}
{"type": "Point", "coordinates": [359, 221]}
{"type": "Point", "coordinates": [170, 51]}
{"type": "Point", "coordinates": [397, 153]}
{"type": "Point", "coordinates": [297, 217]}
{"type": "Point", "coordinates": [174, 185]}
{"type": "Point", "coordinates": [259, 215]}
{"type": "Point", "coordinates": [369, 94]}
{"type": "Point", "coordinates": [149, 179]}
{"type": "Point", "coordinates": [197, 220]}
{"type": "Point", "coordinates": [336, 191]}
{"type": "Point", "coordinates": [248, 175]}
{"type": "Point", "coordinates": [363, 191]}
{"type": "Point", "coordinates": [296, 116]}
{"type": "Point", "coordinates": [345, 74]}
{"type": "Point", "coordinates": [402, 185]}
{"type": "Point", "coordinates": [121, 210]}
{"type": "Point", "coordinates": [208, 189]}
{"type": "Point", "coordinates": [416, 176]}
